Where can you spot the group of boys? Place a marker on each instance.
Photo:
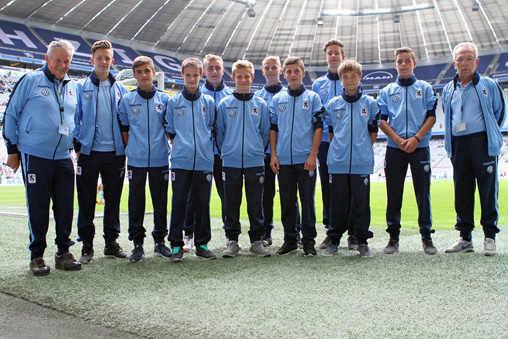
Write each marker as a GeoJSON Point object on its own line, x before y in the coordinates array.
{"type": "Point", "coordinates": [236, 137]}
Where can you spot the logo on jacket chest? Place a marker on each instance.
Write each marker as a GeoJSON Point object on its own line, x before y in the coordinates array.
{"type": "Point", "coordinates": [324, 92]}
{"type": "Point", "coordinates": [419, 94]}
{"type": "Point", "coordinates": [305, 105]}
{"type": "Point", "coordinates": [45, 92]}
{"type": "Point", "coordinates": [485, 92]}
{"type": "Point", "coordinates": [180, 113]}
{"type": "Point", "coordinates": [88, 96]}
{"type": "Point", "coordinates": [255, 111]}
{"type": "Point", "coordinates": [203, 109]}
{"type": "Point", "coordinates": [232, 114]}
{"type": "Point", "coordinates": [395, 99]}
{"type": "Point", "coordinates": [70, 93]}
{"type": "Point", "coordinates": [158, 107]}
{"type": "Point", "coordinates": [364, 111]}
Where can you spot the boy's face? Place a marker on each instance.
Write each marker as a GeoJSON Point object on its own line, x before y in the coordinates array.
{"type": "Point", "coordinates": [405, 65]}
{"type": "Point", "coordinates": [144, 75]}
{"type": "Point", "coordinates": [350, 81]}
{"type": "Point", "coordinates": [191, 76]}
{"type": "Point", "coordinates": [102, 60]}
{"type": "Point", "coordinates": [294, 76]}
{"type": "Point", "coordinates": [243, 79]}
{"type": "Point", "coordinates": [214, 71]}
{"type": "Point", "coordinates": [271, 71]}
{"type": "Point", "coordinates": [334, 56]}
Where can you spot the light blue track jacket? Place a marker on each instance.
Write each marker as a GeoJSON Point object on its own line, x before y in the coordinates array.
{"type": "Point", "coordinates": [189, 122]}
{"type": "Point", "coordinates": [493, 106]}
{"type": "Point", "coordinates": [295, 115]}
{"type": "Point", "coordinates": [405, 105]}
{"type": "Point", "coordinates": [141, 113]}
{"type": "Point", "coordinates": [267, 93]}
{"type": "Point", "coordinates": [32, 117]}
{"type": "Point", "coordinates": [243, 127]}
{"type": "Point", "coordinates": [351, 119]}
{"type": "Point", "coordinates": [327, 87]}
{"type": "Point", "coordinates": [86, 115]}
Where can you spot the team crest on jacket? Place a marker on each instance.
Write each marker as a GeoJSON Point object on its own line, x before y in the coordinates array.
{"type": "Point", "coordinates": [232, 114]}
{"type": "Point", "coordinates": [45, 92]}
{"type": "Point", "coordinates": [255, 111]}
{"type": "Point", "coordinates": [203, 109]}
{"type": "Point", "coordinates": [88, 96]}
{"type": "Point", "coordinates": [135, 110]}
{"type": "Point", "coordinates": [395, 99]}
{"type": "Point", "coordinates": [118, 95]}
{"type": "Point", "coordinates": [364, 112]}
{"type": "Point", "coordinates": [71, 95]}
{"type": "Point", "coordinates": [419, 94]}
{"type": "Point", "coordinates": [305, 105]}
{"type": "Point", "coordinates": [158, 108]}
{"type": "Point", "coordinates": [282, 108]}
{"type": "Point", "coordinates": [324, 92]}
{"type": "Point", "coordinates": [339, 116]}
{"type": "Point", "coordinates": [180, 113]}
{"type": "Point", "coordinates": [485, 92]}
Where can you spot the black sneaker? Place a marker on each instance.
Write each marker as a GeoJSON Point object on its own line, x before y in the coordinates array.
{"type": "Point", "coordinates": [287, 248]}
{"type": "Point", "coordinates": [161, 250]}
{"type": "Point", "coordinates": [38, 267]}
{"type": "Point", "coordinates": [66, 262]}
{"type": "Point", "coordinates": [177, 255]}
{"type": "Point", "coordinates": [267, 240]}
{"type": "Point", "coordinates": [352, 242]}
{"type": "Point", "coordinates": [202, 251]}
{"type": "Point", "coordinates": [325, 243]}
{"type": "Point", "coordinates": [113, 250]}
{"type": "Point", "coordinates": [86, 255]}
{"type": "Point", "coordinates": [309, 250]}
{"type": "Point", "coordinates": [428, 246]}
{"type": "Point", "coordinates": [137, 254]}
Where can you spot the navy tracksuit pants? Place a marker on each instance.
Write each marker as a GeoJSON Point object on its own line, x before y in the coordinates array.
{"type": "Point", "coordinates": [291, 179]}
{"type": "Point", "coordinates": [158, 183]}
{"type": "Point", "coordinates": [323, 175]}
{"type": "Point", "coordinates": [47, 180]}
{"type": "Point", "coordinates": [196, 185]}
{"type": "Point", "coordinates": [473, 165]}
{"type": "Point", "coordinates": [233, 183]}
{"type": "Point", "coordinates": [396, 162]}
{"type": "Point", "coordinates": [112, 170]}
{"type": "Point", "coordinates": [350, 197]}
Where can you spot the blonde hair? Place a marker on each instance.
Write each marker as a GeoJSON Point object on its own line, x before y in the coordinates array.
{"type": "Point", "coordinates": [210, 57]}
{"type": "Point", "coordinates": [350, 66]}
{"type": "Point", "coordinates": [272, 58]}
{"type": "Point", "coordinates": [243, 64]}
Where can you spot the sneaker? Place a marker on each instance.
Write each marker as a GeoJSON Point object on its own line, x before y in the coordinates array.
{"type": "Point", "coordinates": [188, 243]}
{"type": "Point", "coordinates": [113, 250]}
{"type": "Point", "coordinates": [232, 249]}
{"type": "Point", "coordinates": [352, 242]}
{"type": "Point", "coordinates": [287, 248]}
{"type": "Point", "coordinates": [489, 247]}
{"type": "Point", "coordinates": [227, 241]}
{"type": "Point", "coordinates": [325, 243]}
{"type": "Point", "coordinates": [309, 250]}
{"type": "Point", "coordinates": [161, 250]}
{"type": "Point", "coordinates": [203, 252]}
{"type": "Point", "coordinates": [392, 247]}
{"type": "Point", "coordinates": [299, 244]}
{"type": "Point", "coordinates": [137, 254]}
{"type": "Point", "coordinates": [365, 251]}
{"type": "Point", "coordinates": [86, 255]}
{"type": "Point", "coordinates": [330, 250]}
{"type": "Point", "coordinates": [267, 240]}
{"type": "Point", "coordinates": [258, 249]}
{"type": "Point", "coordinates": [428, 246]}
{"type": "Point", "coordinates": [461, 246]}
{"type": "Point", "coordinates": [66, 262]}
{"type": "Point", "coordinates": [177, 255]}
{"type": "Point", "coordinates": [38, 267]}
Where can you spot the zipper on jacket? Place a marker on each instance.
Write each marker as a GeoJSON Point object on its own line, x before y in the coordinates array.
{"type": "Point", "coordinates": [351, 143]}
{"type": "Point", "coordinates": [148, 125]}
{"type": "Point", "coordinates": [406, 112]}
{"type": "Point", "coordinates": [194, 135]}
{"type": "Point", "coordinates": [243, 131]}
{"type": "Point", "coordinates": [292, 126]}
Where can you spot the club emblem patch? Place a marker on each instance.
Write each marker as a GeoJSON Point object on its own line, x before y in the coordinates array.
{"type": "Point", "coordinates": [339, 116]}
{"type": "Point", "coordinates": [324, 92]}
{"type": "Point", "coordinates": [255, 111]}
{"type": "Point", "coordinates": [88, 96]}
{"type": "Point", "coordinates": [118, 95]}
{"type": "Point", "coordinates": [158, 108]}
{"type": "Point", "coordinates": [71, 95]}
{"type": "Point", "coordinates": [180, 113]}
{"type": "Point", "coordinates": [232, 114]}
{"type": "Point", "coordinates": [135, 110]}
{"type": "Point", "coordinates": [485, 92]}
{"type": "Point", "coordinates": [364, 112]}
{"type": "Point", "coordinates": [419, 94]}
{"type": "Point", "coordinates": [203, 109]}
{"type": "Point", "coordinates": [32, 179]}
{"type": "Point", "coordinates": [305, 105]}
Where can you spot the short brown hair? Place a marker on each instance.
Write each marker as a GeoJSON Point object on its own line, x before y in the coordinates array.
{"type": "Point", "coordinates": [101, 44]}
{"type": "Point", "coordinates": [350, 66]}
{"type": "Point", "coordinates": [292, 61]}
{"type": "Point", "coordinates": [243, 64]}
{"type": "Point", "coordinates": [333, 42]}
{"type": "Point", "coordinates": [404, 50]}
{"type": "Point", "coordinates": [193, 62]}
{"type": "Point", "coordinates": [142, 60]}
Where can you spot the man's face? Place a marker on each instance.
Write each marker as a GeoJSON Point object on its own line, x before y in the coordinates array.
{"type": "Point", "coordinates": [405, 65]}
{"type": "Point", "coordinates": [144, 75]}
{"type": "Point", "coordinates": [59, 62]}
{"type": "Point", "coordinates": [191, 76]}
{"type": "Point", "coordinates": [243, 79]}
{"type": "Point", "coordinates": [271, 71]}
{"type": "Point", "coordinates": [350, 81]}
{"type": "Point", "coordinates": [294, 75]}
{"type": "Point", "coordinates": [102, 60]}
{"type": "Point", "coordinates": [214, 71]}
{"type": "Point", "coordinates": [465, 62]}
{"type": "Point", "coordinates": [334, 56]}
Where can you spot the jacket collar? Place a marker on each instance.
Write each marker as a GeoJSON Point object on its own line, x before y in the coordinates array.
{"type": "Point", "coordinates": [476, 79]}
{"type": "Point", "coordinates": [274, 89]}
{"type": "Point", "coordinates": [210, 87]}
{"type": "Point", "coordinates": [332, 76]}
{"type": "Point", "coordinates": [296, 92]}
{"type": "Point", "coordinates": [352, 98]}
{"type": "Point", "coordinates": [146, 94]}
{"type": "Point", "coordinates": [190, 96]}
{"type": "Point", "coordinates": [243, 96]}
{"type": "Point", "coordinates": [51, 77]}
{"type": "Point", "coordinates": [406, 82]}
{"type": "Point", "coordinates": [97, 82]}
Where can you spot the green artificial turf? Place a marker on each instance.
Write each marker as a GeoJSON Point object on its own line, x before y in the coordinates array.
{"type": "Point", "coordinates": [405, 295]}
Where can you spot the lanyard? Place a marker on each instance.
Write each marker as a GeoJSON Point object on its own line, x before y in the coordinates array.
{"type": "Point", "coordinates": [59, 97]}
{"type": "Point", "coordinates": [463, 98]}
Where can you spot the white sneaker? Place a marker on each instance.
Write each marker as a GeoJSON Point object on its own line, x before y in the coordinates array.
{"type": "Point", "coordinates": [461, 246]}
{"type": "Point", "coordinates": [489, 247]}
{"type": "Point", "coordinates": [188, 243]}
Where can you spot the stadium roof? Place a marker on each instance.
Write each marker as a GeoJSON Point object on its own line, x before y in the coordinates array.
{"type": "Point", "coordinates": [253, 29]}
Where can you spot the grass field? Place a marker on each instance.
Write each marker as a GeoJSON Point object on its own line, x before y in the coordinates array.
{"type": "Point", "coordinates": [407, 295]}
